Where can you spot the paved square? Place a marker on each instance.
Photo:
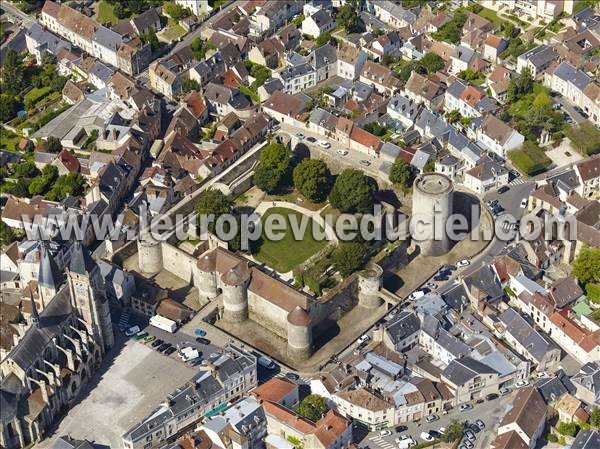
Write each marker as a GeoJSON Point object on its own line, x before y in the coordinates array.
{"type": "Point", "coordinates": [128, 387]}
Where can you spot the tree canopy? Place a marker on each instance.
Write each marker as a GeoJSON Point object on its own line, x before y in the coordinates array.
{"type": "Point", "coordinates": [213, 202]}
{"type": "Point", "coordinates": [312, 179]}
{"type": "Point", "coordinates": [313, 407]}
{"type": "Point", "coordinates": [347, 16]}
{"type": "Point", "coordinates": [274, 164]}
{"type": "Point", "coordinates": [69, 184]}
{"type": "Point", "coordinates": [401, 173]}
{"type": "Point", "coordinates": [353, 192]}
{"type": "Point", "coordinates": [586, 267]}
{"type": "Point", "coordinates": [453, 432]}
{"type": "Point", "coordinates": [349, 257]}
{"type": "Point", "coordinates": [451, 31]}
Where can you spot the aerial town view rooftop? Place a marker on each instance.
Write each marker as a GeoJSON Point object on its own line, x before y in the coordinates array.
{"type": "Point", "coordinates": [300, 224]}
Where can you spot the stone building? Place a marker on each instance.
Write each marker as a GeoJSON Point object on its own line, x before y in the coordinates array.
{"type": "Point", "coordinates": [59, 351]}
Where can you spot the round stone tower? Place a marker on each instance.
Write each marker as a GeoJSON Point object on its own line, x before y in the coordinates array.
{"type": "Point", "coordinates": [299, 334]}
{"type": "Point", "coordinates": [235, 293]}
{"type": "Point", "coordinates": [432, 201]}
{"type": "Point", "coordinates": [205, 278]}
{"type": "Point", "coordinates": [369, 283]}
{"type": "Point", "coordinates": [149, 253]}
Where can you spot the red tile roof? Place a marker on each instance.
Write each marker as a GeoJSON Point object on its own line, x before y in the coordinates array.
{"type": "Point", "coordinates": [365, 138]}
{"type": "Point", "coordinates": [275, 390]}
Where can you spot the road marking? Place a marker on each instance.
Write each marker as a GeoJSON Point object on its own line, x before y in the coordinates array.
{"type": "Point", "coordinates": [517, 181]}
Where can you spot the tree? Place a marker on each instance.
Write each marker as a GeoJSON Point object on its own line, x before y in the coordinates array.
{"type": "Point", "coordinates": [347, 16]}
{"type": "Point", "coordinates": [453, 116]}
{"type": "Point", "coordinates": [41, 184]}
{"type": "Point", "coordinates": [149, 37]}
{"type": "Point", "coordinates": [12, 72]}
{"type": "Point", "coordinates": [451, 31]}
{"type": "Point", "coordinates": [432, 62]}
{"type": "Point", "coordinates": [175, 11]}
{"type": "Point", "coordinates": [313, 407]}
{"type": "Point", "coordinates": [592, 291]}
{"type": "Point", "coordinates": [567, 428]}
{"type": "Point", "coordinates": [274, 164]}
{"type": "Point", "coordinates": [312, 179]}
{"type": "Point", "coordinates": [213, 202]}
{"type": "Point", "coordinates": [401, 173]}
{"type": "Point", "coordinates": [521, 86]}
{"type": "Point", "coordinates": [53, 145]}
{"type": "Point", "coordinates": [453, 432]}
{"type": "Point", "coordinates": [595, 417]}
{"type": "Point", "coordinates": [586, 267]}
{"type": "Point", "coordinates": [323, 39]}
{"type": "Point", "coordinates": [25, 169]}
{"type": "Point", "coordinates": [7, 235]}
{"type": "Point", "coordinates": [349, 257]}
{"type": "Point", "coordinates": [353, 192]}
{"type": "Point", "coordinates": [8, 107]}
{"type": "Point", "coordinates": [429, 167]}
{"type": "Point", "coordinates": [189, 84]}
{"type": "Point", "coordinates": [69, 184]}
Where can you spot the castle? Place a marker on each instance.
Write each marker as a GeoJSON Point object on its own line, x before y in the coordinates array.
{"type": "Point", "coordinates": [58, 348]}
{"type": "Point", "coordinates": [246, 292]}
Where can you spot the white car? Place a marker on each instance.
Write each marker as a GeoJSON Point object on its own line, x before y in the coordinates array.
{"type": "Point", "coordinates": [524, 203]}
{"type": "Point", "coordinates": [342, 152]}
{"type": "Point", "coordinates": [431, 285]}
{"type": "Point", "coordinates": [324, 144]}
{"type": "Point", "coordinates": [504, 391]}
{"type": "Point", "coordinates": [465, 407]}
{"type": "Point", "coordinates": [522, 383]}
{"type": "Point", "coordinates": [426, 437]}
{"type": "Point", "coordinates": [385, 433]}
{"type": "Point", "coordinates": [463, 263]}
{"type": "Point", "coordinates": [300, 136]}
{"type": "Point", "coordinates": [363, 339]}
{"type": "Point", "coordinates": [442, 430]}
{"type": "Point", "coordinates": [132, 331]}
{"type": "Point", "coordinates": [432, 418]}
{"type": "Point", "coordinates": [416, 295]}
{"type": "Point", "coordinates": [365, 163]}
{"type": "Point", "coordinates": [542, 374]}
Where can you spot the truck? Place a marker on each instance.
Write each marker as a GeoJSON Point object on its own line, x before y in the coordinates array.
{"type": "Point", "coordinates": [189, 354]}
{"type": "Point", "coordinates": [163, 323]}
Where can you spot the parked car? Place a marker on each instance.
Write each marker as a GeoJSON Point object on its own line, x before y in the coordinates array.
{"type": "Point", "coordinates": [522, 383]}
{"type": "Point", "coordinates": [140, 335]}
{"type": "Point", "coordinates": [463, 263]}
{"type": "Point", "coordinates": [467, 444]}
{"type": "Point", "coordinates": [300, 136]}
{"type": "Point", "coordinates": [465, 407]}
{"type": "Point", "coordinates": [440, 278]}
{"type": "Point", "coordinates": [149, 339]}
{"type": "Point", "coordinates": [365, 163]}
{"type": "Point", "coordinates": [448, 268]}
{"type": "Point", "coordinates": [324, 144]}
{"type": "Point", "coordinates": [164, 347]}
{"type": "Point", "coordinates": [431, 285]}
{"type": "Point", "coordinates": [311, 139]}
{"type": "Point", "coordinates": [399, 429]}
{"type": "Point", "coordinates": [503, 189]}
{"type": "Point", "coordinates": [432, 418]}
{"type": "Point", "coordinates": [470, 435]}
{"type": "Point", "coordinates": [504, 391]}
{"type": "Point", "coordinates": [199, 332]}
{"type": "Point", "coordinates": [491, 396]}
{"type": "Point", "coordinates": [385, 433]}
{"type": "Point", "coordinates": [342, 152]}
{"type": "Point", "coordinates": [542, 374]}
{"type": "Point", "coordinates": [292, 376]}
{"type": "Point", "coordinates": [480, 424]}
{"type": "Point", "coordinates": [524, 203]}
{"type": "Point", "coordinates": [202, 340]}
{"type": "Point", "coordinates": [426, 437]}
{"type": "Point", "coordinates": [170, 350]}
{"type": "Point", "coordinates": [157, 343]}
{"type": "Point", "coordinates": [132, 331]}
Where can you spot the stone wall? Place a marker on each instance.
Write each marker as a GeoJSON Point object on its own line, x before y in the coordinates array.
{"type": "Point", "coordinates": [267, 314]}
{"type": "Point", "coordinates": [178, 262]}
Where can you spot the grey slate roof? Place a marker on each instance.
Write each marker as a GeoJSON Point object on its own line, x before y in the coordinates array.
{"type": "Point", "coordinates": [81, 260]}
{"type": "Point", "coordinates": [535, 343]}
{"type": "Point", "coordinates": [402, 326]}
{"type": "Point", "coordinates": [485, 280]}
{"type": "Point", "coordinates": [102, 72]}
{"type": "Point", "coordinates": [460, 371]}
{"type": "Point", "coordinates": [567, 72]}
{"type": "Point", "coordinates": [540, 56]}
{"type": "Point", "coordinates": [589, 378]}
{"type": "Point", "coordinates": [323, 56]}
{"type": "Point", "coordinates": [49, 275]}
{"type": "Point", "coordinates": [67, 442]}
{"type": "Point", "coordinates": [551, 388]}
{"type": "Point", "coordinates": [587, 439]}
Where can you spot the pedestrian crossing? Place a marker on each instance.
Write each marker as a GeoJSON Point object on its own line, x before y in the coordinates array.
{"type": "Point", "coordinates": [517, 181]}
{"type": "Point", "coordinates": [124, 320]}
{"type": "Point", "coordinates": [379, 441]}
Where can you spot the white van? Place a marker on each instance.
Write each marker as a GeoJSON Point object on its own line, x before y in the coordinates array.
{"type": "Point", "coordinates": [406, 443]}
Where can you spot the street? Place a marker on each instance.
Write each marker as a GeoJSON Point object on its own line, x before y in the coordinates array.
{"type": "Point", "coordinates": [490, 412]}
{"type": "Point", "coordinates": [15, 12]}
{"type": "Point", "coordinates": [570, 109]}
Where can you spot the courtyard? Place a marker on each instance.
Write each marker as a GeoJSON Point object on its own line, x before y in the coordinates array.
{"type": "Point", "coordinates": [286, 254]}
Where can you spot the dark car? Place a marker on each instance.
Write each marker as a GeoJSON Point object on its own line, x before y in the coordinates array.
{"type": "Point", "coordinates": [157, 343]}
{"type": "Point", "coordinates": [440, 277]}
{"type": "Point", "coordinates": [491, 396]}
{"type": "Point", "coordinates": [311, 139]}
{"type": "Point", "coordinates": [503, 189]}
{"type": "Point", "coordinates": [448, 268]}
{"type": "Point", "coordinates": [401, 428]}
{"type": "Point", "coordinates": [202, 340]}
{"type": "Point", "coordinates": [164, 347]}
{"type": "Point", "coordinates": [435, 434]}
{"type": "Point", "coordinates": [170, 350]}
{"type": "Point", "coordinates": [292, 376]}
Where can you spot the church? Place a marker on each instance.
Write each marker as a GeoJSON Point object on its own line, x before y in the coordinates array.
{"type": "Point", "coordinates": [67, 332]}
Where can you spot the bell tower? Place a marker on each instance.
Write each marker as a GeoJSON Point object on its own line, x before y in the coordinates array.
{"type": "Point", "coordinates": [88, 296]}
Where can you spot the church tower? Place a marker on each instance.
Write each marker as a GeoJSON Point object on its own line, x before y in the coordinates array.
{"type": "Point", "coordinates": [88, 296]}
{"type": "Point", "coordinates": [50, 278]}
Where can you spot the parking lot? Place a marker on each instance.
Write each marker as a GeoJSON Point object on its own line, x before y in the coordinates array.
{"type": "Point", "coordinates": [490, 413]}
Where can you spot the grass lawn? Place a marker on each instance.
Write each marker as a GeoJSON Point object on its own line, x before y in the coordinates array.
{"type": "Point", "coordinates": [585, 138]}
{"type": "Point", "coordinates": [287, 253]}
{"type": "Point", "coordinates": [173, 31]}
{"type": "Point", "coordinates": [491, 15]}
{"type": "Point", "coordinates": [253, 95]}
{"type": "Point", "coordinates": [9, 140]}
{"type": "Point", "coordinates": [106, 13]}
{"type": "Point", "coordinates": [530, 159]}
